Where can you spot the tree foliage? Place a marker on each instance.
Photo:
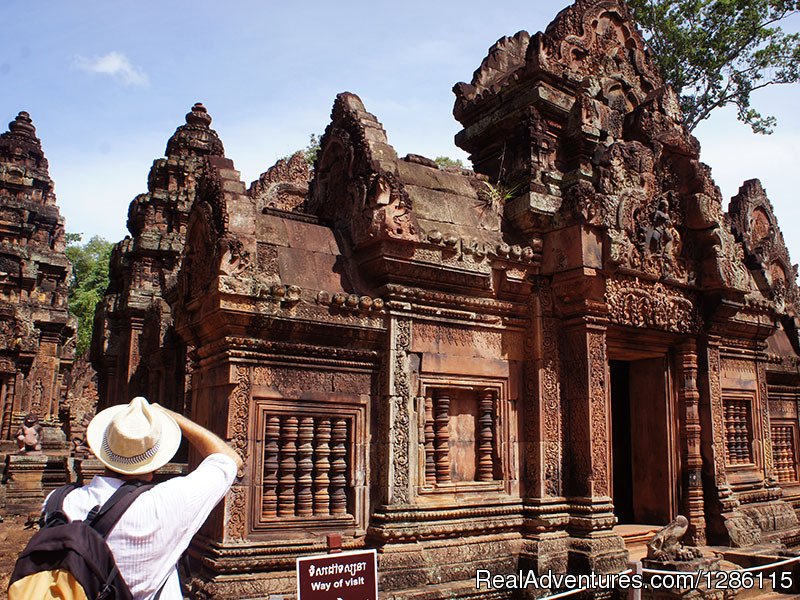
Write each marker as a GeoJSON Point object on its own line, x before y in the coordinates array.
{"type": "Point", "coordinates": [718, 52]}
{"type": "Point", "coordinates": [446, 161]}
{"type": "Point", "coordinates": [89, 282]}
{"type": "Point", "coordinates": [310, 152]}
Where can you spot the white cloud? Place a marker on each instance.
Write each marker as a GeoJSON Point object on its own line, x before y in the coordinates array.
{"type": "Point", "coordinates": [116, 65]}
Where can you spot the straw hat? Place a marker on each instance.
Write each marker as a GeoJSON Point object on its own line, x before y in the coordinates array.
{"type": "Point", "coordinates": [133, 438]}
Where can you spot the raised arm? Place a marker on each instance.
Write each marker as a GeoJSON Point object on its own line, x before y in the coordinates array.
{"type": "Point", "coordinates": [202, 440]}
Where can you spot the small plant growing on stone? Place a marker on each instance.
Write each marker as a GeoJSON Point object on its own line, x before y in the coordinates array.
{"type": "Point", "coordinates": [496, 195]}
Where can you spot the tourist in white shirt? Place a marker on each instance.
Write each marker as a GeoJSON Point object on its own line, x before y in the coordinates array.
{"type": "Point", "coordinates": [133, 441]}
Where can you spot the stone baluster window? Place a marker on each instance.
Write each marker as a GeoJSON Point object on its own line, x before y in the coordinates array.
{"type": "Point", "coordinates": [738, 432]}
{"type": "Point", "coordinates": [306, 467]}
{"type": "Point", "coordinates": [459, 435]}
{"type": "Point", "coordinates": [784, 453]}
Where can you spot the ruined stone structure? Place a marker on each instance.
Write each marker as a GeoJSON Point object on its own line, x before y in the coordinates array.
{"type": "Point", "coordinates": [37, 341]}
{"type": "Point", "coordinates": [465, 370]}
{"type": "Point", "coordinates": [82, 400]}
{"type": "Point", "coordinates": [134, 347]}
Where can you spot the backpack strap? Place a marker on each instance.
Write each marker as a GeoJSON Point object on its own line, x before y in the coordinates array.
{"type": "Point", "coordinates": [116, 506]}
{"type": "Point", "coordinates": [53, 513]}
{"type": "Point", "coordinates": [56, 500]}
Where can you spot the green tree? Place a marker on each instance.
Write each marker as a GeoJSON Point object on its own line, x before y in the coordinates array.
{"type": "Point", "coordinates": [446, 161]}
{"type": "Point", "coordinates": [718, 52]}
{"type": "Point", "coordinates": [310, 152]}
{"type": "Point", "coordinates": [89, 282]}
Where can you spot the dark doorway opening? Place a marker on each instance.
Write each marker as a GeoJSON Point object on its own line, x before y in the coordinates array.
{"type": "Point", "coordinates": [644, 485]}
{"type": "Point", "coordinates": [621, 441]}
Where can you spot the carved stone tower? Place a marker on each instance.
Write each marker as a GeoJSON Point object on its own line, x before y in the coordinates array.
{"type": "Point", "coordinates": [37, 343]}
{"type": "Point", "coordinates": [134, 347]}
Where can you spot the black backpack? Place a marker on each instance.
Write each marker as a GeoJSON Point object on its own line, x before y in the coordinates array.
{"type": "Point", "coordinates": [72, 556]}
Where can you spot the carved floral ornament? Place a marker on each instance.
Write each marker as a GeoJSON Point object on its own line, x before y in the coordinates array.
{"type": "Point", "coordinates": [638, 303]}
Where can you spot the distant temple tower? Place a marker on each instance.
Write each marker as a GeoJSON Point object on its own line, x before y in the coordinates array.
{"type": "Point", "coordinates": [37, 335]}
{"type": "Point", "coordinates": [134, 349]}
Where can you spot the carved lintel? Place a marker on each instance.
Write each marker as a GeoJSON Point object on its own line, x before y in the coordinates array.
{"type": "Point", "coordinates": [639, 303]}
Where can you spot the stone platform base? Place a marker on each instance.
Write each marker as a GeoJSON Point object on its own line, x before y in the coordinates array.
{"type": "Point", "coordinates": [602, 552]}
{"type": "Point", "coordinates": [417, 570]}
{"type": "Point", "coordinates": [276, 589]}
{"type": "Point", "coordinates": [752, 524]}
{"type": "Point", "coordinates": [24, 491]}
{"type": "Point", "coordinates": [424, 570]}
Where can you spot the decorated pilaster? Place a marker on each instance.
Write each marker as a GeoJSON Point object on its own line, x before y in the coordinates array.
{"type": "Point", "coordinates": [399, 403]}
{"type": "Point", "coordinates": [691, 456]}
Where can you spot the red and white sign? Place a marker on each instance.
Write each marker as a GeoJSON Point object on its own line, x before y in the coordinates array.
{"type": "Point", "coordinates": [340, 576]}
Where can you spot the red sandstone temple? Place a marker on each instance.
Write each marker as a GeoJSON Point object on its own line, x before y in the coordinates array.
{"type": "Point", "coordinates": [37, 336]}
{"type": "Point", "coordinates": [489, 369]}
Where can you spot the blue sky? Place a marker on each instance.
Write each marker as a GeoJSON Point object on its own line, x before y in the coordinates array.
{"type": "Point", "coordinates": [107, 82]}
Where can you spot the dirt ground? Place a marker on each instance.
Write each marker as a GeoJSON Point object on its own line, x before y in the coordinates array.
{"type": "Point", "coordinates": [13, 538]}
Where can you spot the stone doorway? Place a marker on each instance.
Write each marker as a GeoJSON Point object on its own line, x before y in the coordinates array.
{"type": "Point", "coordinates": [644, 444]}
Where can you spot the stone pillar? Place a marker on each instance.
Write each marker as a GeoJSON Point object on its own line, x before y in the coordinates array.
{"type": "Point", "coordinates": [713, 420]}
{"type": "Point", "coordinates": [690, 429]}
{"type": "Point", "coordinates": [543, 413]}
{"type": "Point", "coordinates": [770, 482]}
{"type": "Point", "coordinates": [9, 381]}
{"type": "Point", "coordinates": [586, 394]}
{"type": "Point", "coordinates": [546, 543]}
{"type": "Point", "coordinates": [24, 491]}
